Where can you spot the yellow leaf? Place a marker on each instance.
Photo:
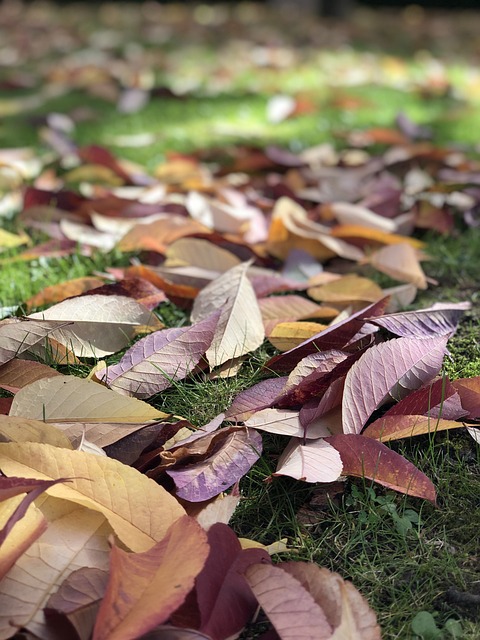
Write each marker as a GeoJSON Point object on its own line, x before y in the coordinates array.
{"type": "Point", "coordinates": [11, 240]}
{"type": "Point", "coordinates": [17, 429]}
{"type": "Point", "coordinates": [68, 398]}
{"type": "Point", "coordinates": [288, 335]}
{"type": "Point", "coordinates": [24, 533]}
{"type": "Point", "coordinates": [138, 509]}
{"type": "Point", "coordinates": [350, 288]}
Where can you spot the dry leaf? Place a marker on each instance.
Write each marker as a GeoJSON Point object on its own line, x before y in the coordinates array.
{"type": "Point", "coordinates": [68, 398]}
{"type": "Point", "coordinates": [138, 509]}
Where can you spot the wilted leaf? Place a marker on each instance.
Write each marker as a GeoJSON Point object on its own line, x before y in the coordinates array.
{"type": "Point", "coordinates": [235, 451]}
{"type": "Point", "coordinates": [366, 458]}
{"type": "Point", "coordinates": [316, 461]}
{"type": "Point", "coordinates": [74, 540]}
{"type": "Point", "coordinates": [240, 327]}
{"type": "Point", "coordinates": [68, 398]}
{"type": "Point", "coordinates": [101, 325]}
{"type": "Point", "coordinates": [17, 335]}
{"type": "Point", "coordinates": [144, 589]}
{"type": "Point", "coordinates": [394, 367]}
{"type": "Point", "coordinates": [139, 510]}
{"type": "Point", "coordinates": [439, 320]}
{"type": "Point", "coordinates": [156, 361]}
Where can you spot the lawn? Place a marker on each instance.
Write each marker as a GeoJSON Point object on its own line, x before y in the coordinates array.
{"type": "Point", "coordinates": [147, 82]}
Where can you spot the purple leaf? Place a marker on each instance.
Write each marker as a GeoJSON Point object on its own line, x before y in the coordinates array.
{"type": "Point", "coordinates": [438, 320]}
{"type": "Point", "coordinates": [394, 367]}
{"type": "Point", "coordinates": [334, 337]}
{"type": "Point", "coordinates": [162, 357]}
{"type": "Point", "coordinates": [258, 397]}
{"type": "Point", "coordinates": [233, 456]}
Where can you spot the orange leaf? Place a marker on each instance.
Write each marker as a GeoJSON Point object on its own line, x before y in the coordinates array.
{"type": "Point", "coordinates": [364, 236]}
{"type": "Point", "coordinates": [144, 589]}
{"type": "Point", "coordinates": [58, 292]}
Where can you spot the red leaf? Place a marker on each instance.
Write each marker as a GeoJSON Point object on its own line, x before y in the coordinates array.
{"type": "Point", "coordinates": [366, 458]}
{"type": "Point", "coordinates": [224, 601]}
{"type": "Point", "coordinates": [335, 337]}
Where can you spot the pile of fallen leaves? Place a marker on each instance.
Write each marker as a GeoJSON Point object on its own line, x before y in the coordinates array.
{"type": "Point", "coordinates": [113, 514]}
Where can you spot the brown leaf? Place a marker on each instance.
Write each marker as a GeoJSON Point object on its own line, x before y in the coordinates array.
{"type": "Point", "coordinates": [17, 373]}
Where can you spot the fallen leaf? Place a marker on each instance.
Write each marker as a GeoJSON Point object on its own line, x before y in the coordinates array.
{"type": "Point", "coordinates": [350, 288]}
{"type": "Point", "coordinates": [345, 609]}
{"type": "Point", "coordinates": [74, 540]}
{"type": "Point", "coordinates": [161, 358]}
{"type": "Point", "coordinates": [372, 237]}
{"type": "Point", "coordinates": [18, 429]}
{"type": "Point", "coordinates": [99, 325]}
{"type": "Point", "coordinates": [234, 452]}
{"type": "Point", "coordinates": [68, 398]}
{"type": "Point", "coordinates": [395, 427]}
{"type": "Point", "coordinates": [289, 606]}
{"type": "Point", "coordinates": [315, 461]}
{"type": "Point", "coordinates": [17, 373]}
{"type": "Point", "coordinates": [240, 327]}
{"type": "Point", "coordinates": [260, 396]}
{"type": "Point", "coordinates": [139, 510]}
{"type": "Point", "coordinates": [25, 531]}
{"type": "Point", "coordinates": [144, 589]}
{"type": "Point", "coordinates": [288, 335]}
{"type": "Point", "coordinates": [221, 588]}
{"type": "Point", "coordinates": [394, 367]}
{"type": "Point", "coordinates": [18, 335]}
{"type": "Point", "coordinates": [400, 261]}
{"type": "Point", "coordinates": [200, 253]}
{"type": "Point", "coordinates": [347, 213]}
{"type": "Point", "coordinates": [78, 599]}
{"type": "Point", "coordinates": [285, 423]}
{"type": "Point", "coordinates": [439, 320]}
{"type": "Point", "coordinates": [367, 458]}
{"type": "Point", "coordinates": [336, 336]}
